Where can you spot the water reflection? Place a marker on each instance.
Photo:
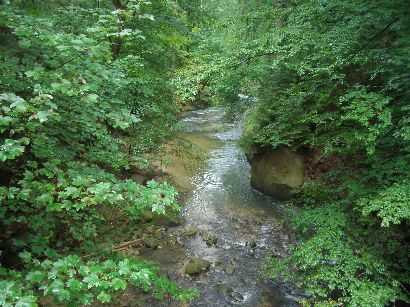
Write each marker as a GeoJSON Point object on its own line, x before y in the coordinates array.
{"type": "Point", "coordinates": [218, 199]}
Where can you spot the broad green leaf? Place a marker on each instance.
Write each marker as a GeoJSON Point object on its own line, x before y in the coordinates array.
{"type": "Point", "coordinates": [118, 284]}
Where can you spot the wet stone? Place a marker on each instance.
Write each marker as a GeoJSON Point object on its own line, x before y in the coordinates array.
{"type": "Point", "coordinates": [190, 231]}
{"type": "Point", "coordinates": [224, 289]}
{"type": "Point", "coordinates": [210, 239]}
{"type": "Point", "coordinates": [237, 297]}
{"type": "Point", "coordinates": [230, 269]}
{"type": "Point", "coordinates": [196, 266]}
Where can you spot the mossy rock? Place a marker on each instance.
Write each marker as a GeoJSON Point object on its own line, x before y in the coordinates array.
{"type": "Point", "coordinates": [230, 269]}
{"type": "Point", "coordinates": [146, 216]}
{"type": "Point", "coordinates": [159, 235]}
{"type": "Point", "coordinates": [165, 220]}
{"type": "Point", "coordinates": [151, 243]}
{"type": "Point", "coordinates": [196, 266]}
{"type": "Point", "coordinates": [190, 231]}
{"type": "Point", "coordinates": [224, 289]}
{"type": "Point", "coordinates": [210, 239]}
{"type": "Point", "coordinates": [246, 142]}
{"type": "Point", "coordinates": [277, 171]}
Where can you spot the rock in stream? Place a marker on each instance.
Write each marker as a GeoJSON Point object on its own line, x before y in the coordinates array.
{"type": "Point", "coordinates": [196, 266]}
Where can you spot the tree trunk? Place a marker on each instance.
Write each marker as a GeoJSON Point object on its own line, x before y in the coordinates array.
{"type": "Point", "coordinates": [117, 44]}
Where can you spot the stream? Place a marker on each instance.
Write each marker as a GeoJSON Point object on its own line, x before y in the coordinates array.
{"type": "Point", "coordinates": [217, 199]}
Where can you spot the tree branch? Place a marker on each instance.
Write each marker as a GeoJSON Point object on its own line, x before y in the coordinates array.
{"type": "Point", "coordinates": [377, 35]}
{"type": "Point", "coordinates": [248, 59]}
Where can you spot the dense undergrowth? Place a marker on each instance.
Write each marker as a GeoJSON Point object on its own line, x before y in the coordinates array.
{"type": "Point", "coordinates": [329, 79]}
{"type": "Point", "coordinates": [84, 94]}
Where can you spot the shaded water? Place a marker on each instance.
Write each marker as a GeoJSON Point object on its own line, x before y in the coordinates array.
{"type": "Point", "coordinates": [219, 200]}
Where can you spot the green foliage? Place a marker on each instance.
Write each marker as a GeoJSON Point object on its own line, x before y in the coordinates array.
{"type": "Point", "coordinates": [84, 94]}
{"type": "Point", "coordinates": [391, 204]}
{"type": "Point", "coordinates": [74, 281]}
{"type": "Point", "coordinates": [69, 201]}
{"type": "Point", "coordinates": [350, 232]}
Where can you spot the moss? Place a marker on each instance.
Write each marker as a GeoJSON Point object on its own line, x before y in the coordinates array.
{"type": "Point", "coordinates": [277, 172]}
{"type": "Point", "coordinates": [151, 243]}
{"type": "Point", "coordinates": [210, 239]}
{"type": "Point", "coordinates": [196, 266]}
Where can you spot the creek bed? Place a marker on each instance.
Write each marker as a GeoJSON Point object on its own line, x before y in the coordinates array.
{"type": "Point", "coordinates": [218, 200]}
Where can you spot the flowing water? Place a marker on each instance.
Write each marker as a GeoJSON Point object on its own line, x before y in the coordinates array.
{"type": "Point", "coordinates": [217, 199]}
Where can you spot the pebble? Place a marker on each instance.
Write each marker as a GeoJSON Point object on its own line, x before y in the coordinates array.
{"type": "Point", "coordinates": [230, 269]}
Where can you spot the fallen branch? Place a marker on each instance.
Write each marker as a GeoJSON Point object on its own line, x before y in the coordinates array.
{"type": "Point", "coordinates": [123, 245]}
{"type": "Point", "coordinates": [129, 243]}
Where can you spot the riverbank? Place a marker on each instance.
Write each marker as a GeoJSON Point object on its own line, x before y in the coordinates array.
{"type": "Point", "coordinates": [223, 221]}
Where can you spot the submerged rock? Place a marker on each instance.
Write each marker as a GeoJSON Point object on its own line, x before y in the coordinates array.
{"type": "Point", "coordinates": [151, 243]}
{"type": "Point", "coordinates": [276, 171]}
{"type": "Point", "coordinates": [210, 239]}
{"type": "Point", "coordinates": [230, 269]}
{"type": "Point", "coordinates": [224, 289]}
{"type": "Point", "coordinates": [196, 266]}
{"type": "Point", "coordinates": [190, 231]}
{"type": "Point", "coordinates": [237, 297]}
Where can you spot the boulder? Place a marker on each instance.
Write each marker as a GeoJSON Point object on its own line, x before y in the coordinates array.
{"type": "Point", "coordinates": [276, 171]}
{"type": "Point", "coordinates": [196, 266]}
